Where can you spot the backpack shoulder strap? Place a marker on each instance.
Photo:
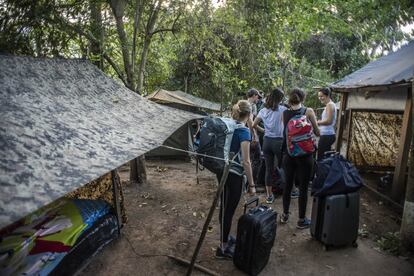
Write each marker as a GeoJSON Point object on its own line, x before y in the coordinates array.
{"type": "Point", "coordinates": [303, 110]}
{"type": "Point", "coordinates": [240, 125]}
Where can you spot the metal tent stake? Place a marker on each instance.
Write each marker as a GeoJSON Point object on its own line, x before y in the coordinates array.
{"type": "Point", "coordinates": [210, 213]}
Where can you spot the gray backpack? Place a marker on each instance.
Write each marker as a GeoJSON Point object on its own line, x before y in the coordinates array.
{"type": "Point", "coordinates": [216, 135]}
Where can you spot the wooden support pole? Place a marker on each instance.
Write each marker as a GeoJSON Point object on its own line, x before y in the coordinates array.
{"type": "Point", "coordinates": [407, 224]}
{"type": "Point", "coordinates": [197, 266]}
{"type": "Point", "coordinates": [211, 212]}
{"type": "Point", "coordinates": [348, 142]}
{"type": "Point", "coordinates": [117, 205]}
{"type": "Point", "coordinates": [341, 122]}
{"type": "Point", "coordinates": [398, 184]}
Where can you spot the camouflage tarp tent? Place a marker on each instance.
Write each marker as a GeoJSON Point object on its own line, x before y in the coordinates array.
{"type": "Point", "coordinates": [181, 138]}
{"type": "Point", "coordinates": [183, 101]}
{"type": "Point", "coordinates": [63, 124]}
{"type": "Point", "coordinates": [375, 111]}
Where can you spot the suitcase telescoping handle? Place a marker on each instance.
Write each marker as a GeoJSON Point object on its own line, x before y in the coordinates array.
{"type": "Point", "coordinates": [251, 201]}
{"type": "Point", "coordinates": [330, 153]}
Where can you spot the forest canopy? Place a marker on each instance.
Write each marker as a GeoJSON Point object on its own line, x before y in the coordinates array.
{"type": "Point", "coordinates": [209, 48]}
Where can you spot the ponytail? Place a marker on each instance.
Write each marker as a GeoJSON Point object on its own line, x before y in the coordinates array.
{"type": "Point", "coordinates": [241, 110]}
{"type": "Point", "coordinates": [296, 96]}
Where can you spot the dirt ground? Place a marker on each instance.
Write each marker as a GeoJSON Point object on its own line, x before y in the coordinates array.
{"type": "Point", "coordinates": [167, 214]}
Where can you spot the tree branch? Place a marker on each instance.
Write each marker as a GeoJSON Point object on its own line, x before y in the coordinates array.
{"type": "Point", "coordinates": [116, 68]}
{"type": "Point", "coordinates": [172, 29]}
{"type": "Point", "coordinates": [64, 24]}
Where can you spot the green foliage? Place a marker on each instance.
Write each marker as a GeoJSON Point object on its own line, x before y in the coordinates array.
{"type": "Point", "coordinates": [213, 52]}
{"type": "Point", "coordinates": [390, 243]}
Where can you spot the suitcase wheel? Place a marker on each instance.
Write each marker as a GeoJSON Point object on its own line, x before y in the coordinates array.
{"type": "Point", "coordinates": [325, 247]}
{"type": "Point", "coordinates": [354, 244]}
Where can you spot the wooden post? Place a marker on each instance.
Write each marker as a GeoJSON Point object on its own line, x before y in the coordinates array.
{"type": "Point", "coordinates": [211, 212]}
{"type": "Point", "coordinates": [115, 194]}
{"type": "Point", "coordinates": [133, 171]}
{"type": "Point", "coordinates": [348, 143]}
{"type": "Point", "coordinates": [407, 224]}
{"type": "Point", "coordinates": [398, 184]}
{"type": "Point", "coordinates": [341, 121]}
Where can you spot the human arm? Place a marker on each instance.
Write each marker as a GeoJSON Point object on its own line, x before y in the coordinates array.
{"type": "Point", "coordinates": [245, 152]}
{"type": "Point", "coordinates": [330, 109]}
{"type": "Point", "coordinates": [252, 129]}
{"type": "Point", "coordinates": [256, 124]}
{"type": "Point", "coordinates": [310, 114]}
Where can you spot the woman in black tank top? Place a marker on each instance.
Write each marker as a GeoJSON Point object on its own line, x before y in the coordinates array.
{"type": "Point", "coordinates": [297, 168]}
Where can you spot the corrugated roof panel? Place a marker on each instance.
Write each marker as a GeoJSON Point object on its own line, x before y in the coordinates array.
{"type": "Point", "coordinates": [397, 67]}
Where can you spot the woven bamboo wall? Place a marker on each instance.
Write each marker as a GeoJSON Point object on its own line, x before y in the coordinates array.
{"type": "Point", "coordinates": [101, 188]}
{"type": "Point", "coordinates": [375, 139]}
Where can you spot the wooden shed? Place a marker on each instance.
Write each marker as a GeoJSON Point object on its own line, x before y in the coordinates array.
{"type": "Point", "coordinates": [374, 129]}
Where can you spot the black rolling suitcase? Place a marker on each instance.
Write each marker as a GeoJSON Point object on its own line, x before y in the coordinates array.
{"type": "Point", "coordinates": [335, 219]}
{"type": "Point", "coordinates": [256, 233]}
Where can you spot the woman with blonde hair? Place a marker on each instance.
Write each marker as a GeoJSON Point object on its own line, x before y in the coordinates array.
{"type": "Point", "coordinates": [234, 184]}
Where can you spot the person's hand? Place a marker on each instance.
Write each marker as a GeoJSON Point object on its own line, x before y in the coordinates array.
{"type": "Point", "coordinates": [254, 141]}
{"type": "Point", "coordinates": [252, 190]}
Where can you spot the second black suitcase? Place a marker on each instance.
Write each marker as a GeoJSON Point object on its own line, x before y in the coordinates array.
{"type": "Point", "coordinates": [256, 233]}
{"type": "Point", "coordinates": [335, 219]}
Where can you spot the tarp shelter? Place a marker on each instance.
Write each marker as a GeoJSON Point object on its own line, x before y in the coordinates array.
{"type": "Point", "coordinates": [376, 112]}
{"type": "Point", "coordinates": [63, 124]}
{"type": "Point", "coordinates": [182, 100]}
{"type": "Point", "coordinates": [181, 138]}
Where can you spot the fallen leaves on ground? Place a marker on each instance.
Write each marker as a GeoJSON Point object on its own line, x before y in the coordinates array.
{"type": "Point", "coordinates": [161, 169]}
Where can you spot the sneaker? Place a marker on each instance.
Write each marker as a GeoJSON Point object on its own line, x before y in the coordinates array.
{"type": "Point", "coordinates": [270, 199]}
{"type": "Point", "coordinates": [303, 223]}
{"type": "Point", "coordinates": [295, 193]}
{"type": "Point", "coordinates": [227, 253]}
{"type": "Point", "coordinates": [284, 218]}
{"type": "Point", "coordinates": [231, 242]}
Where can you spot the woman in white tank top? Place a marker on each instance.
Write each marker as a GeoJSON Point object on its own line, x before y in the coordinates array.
{"type": "Point", "coordinates": [327, 122]}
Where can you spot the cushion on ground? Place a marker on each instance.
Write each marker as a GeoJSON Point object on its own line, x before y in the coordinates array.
{"type": "Point", "coordinates": [38, 242]}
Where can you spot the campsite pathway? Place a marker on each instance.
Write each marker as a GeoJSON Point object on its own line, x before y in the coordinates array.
{"type": "Point", "coordinates": [167, 215]}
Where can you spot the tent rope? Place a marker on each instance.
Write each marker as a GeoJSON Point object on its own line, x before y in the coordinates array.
{"type": "Point", "coordinates": [200, 154]}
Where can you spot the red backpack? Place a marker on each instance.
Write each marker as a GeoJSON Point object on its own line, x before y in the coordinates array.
{"type": "Point", "coordinates": [299, 135]}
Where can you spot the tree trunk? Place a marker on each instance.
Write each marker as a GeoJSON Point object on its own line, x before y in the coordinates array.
{"type": "Point", "coordinates": [137, 172]}
{"type": "Point", "coordinates": [118, 9]}
{"type": "Point", "coordinates": [95, 47]}
{"type": "Point", "coordinates": [186, 84]}
{"type": "Point", "coordinates": [137, 20]}
{"type": "Point", "coordinates": [138, 168]}
{"type": "Point", "coordinates": [144, 55]}
{"type": "Point", "coordinates": [142, 170]}
{"type": "Point", "coordinates": [147, 41]}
